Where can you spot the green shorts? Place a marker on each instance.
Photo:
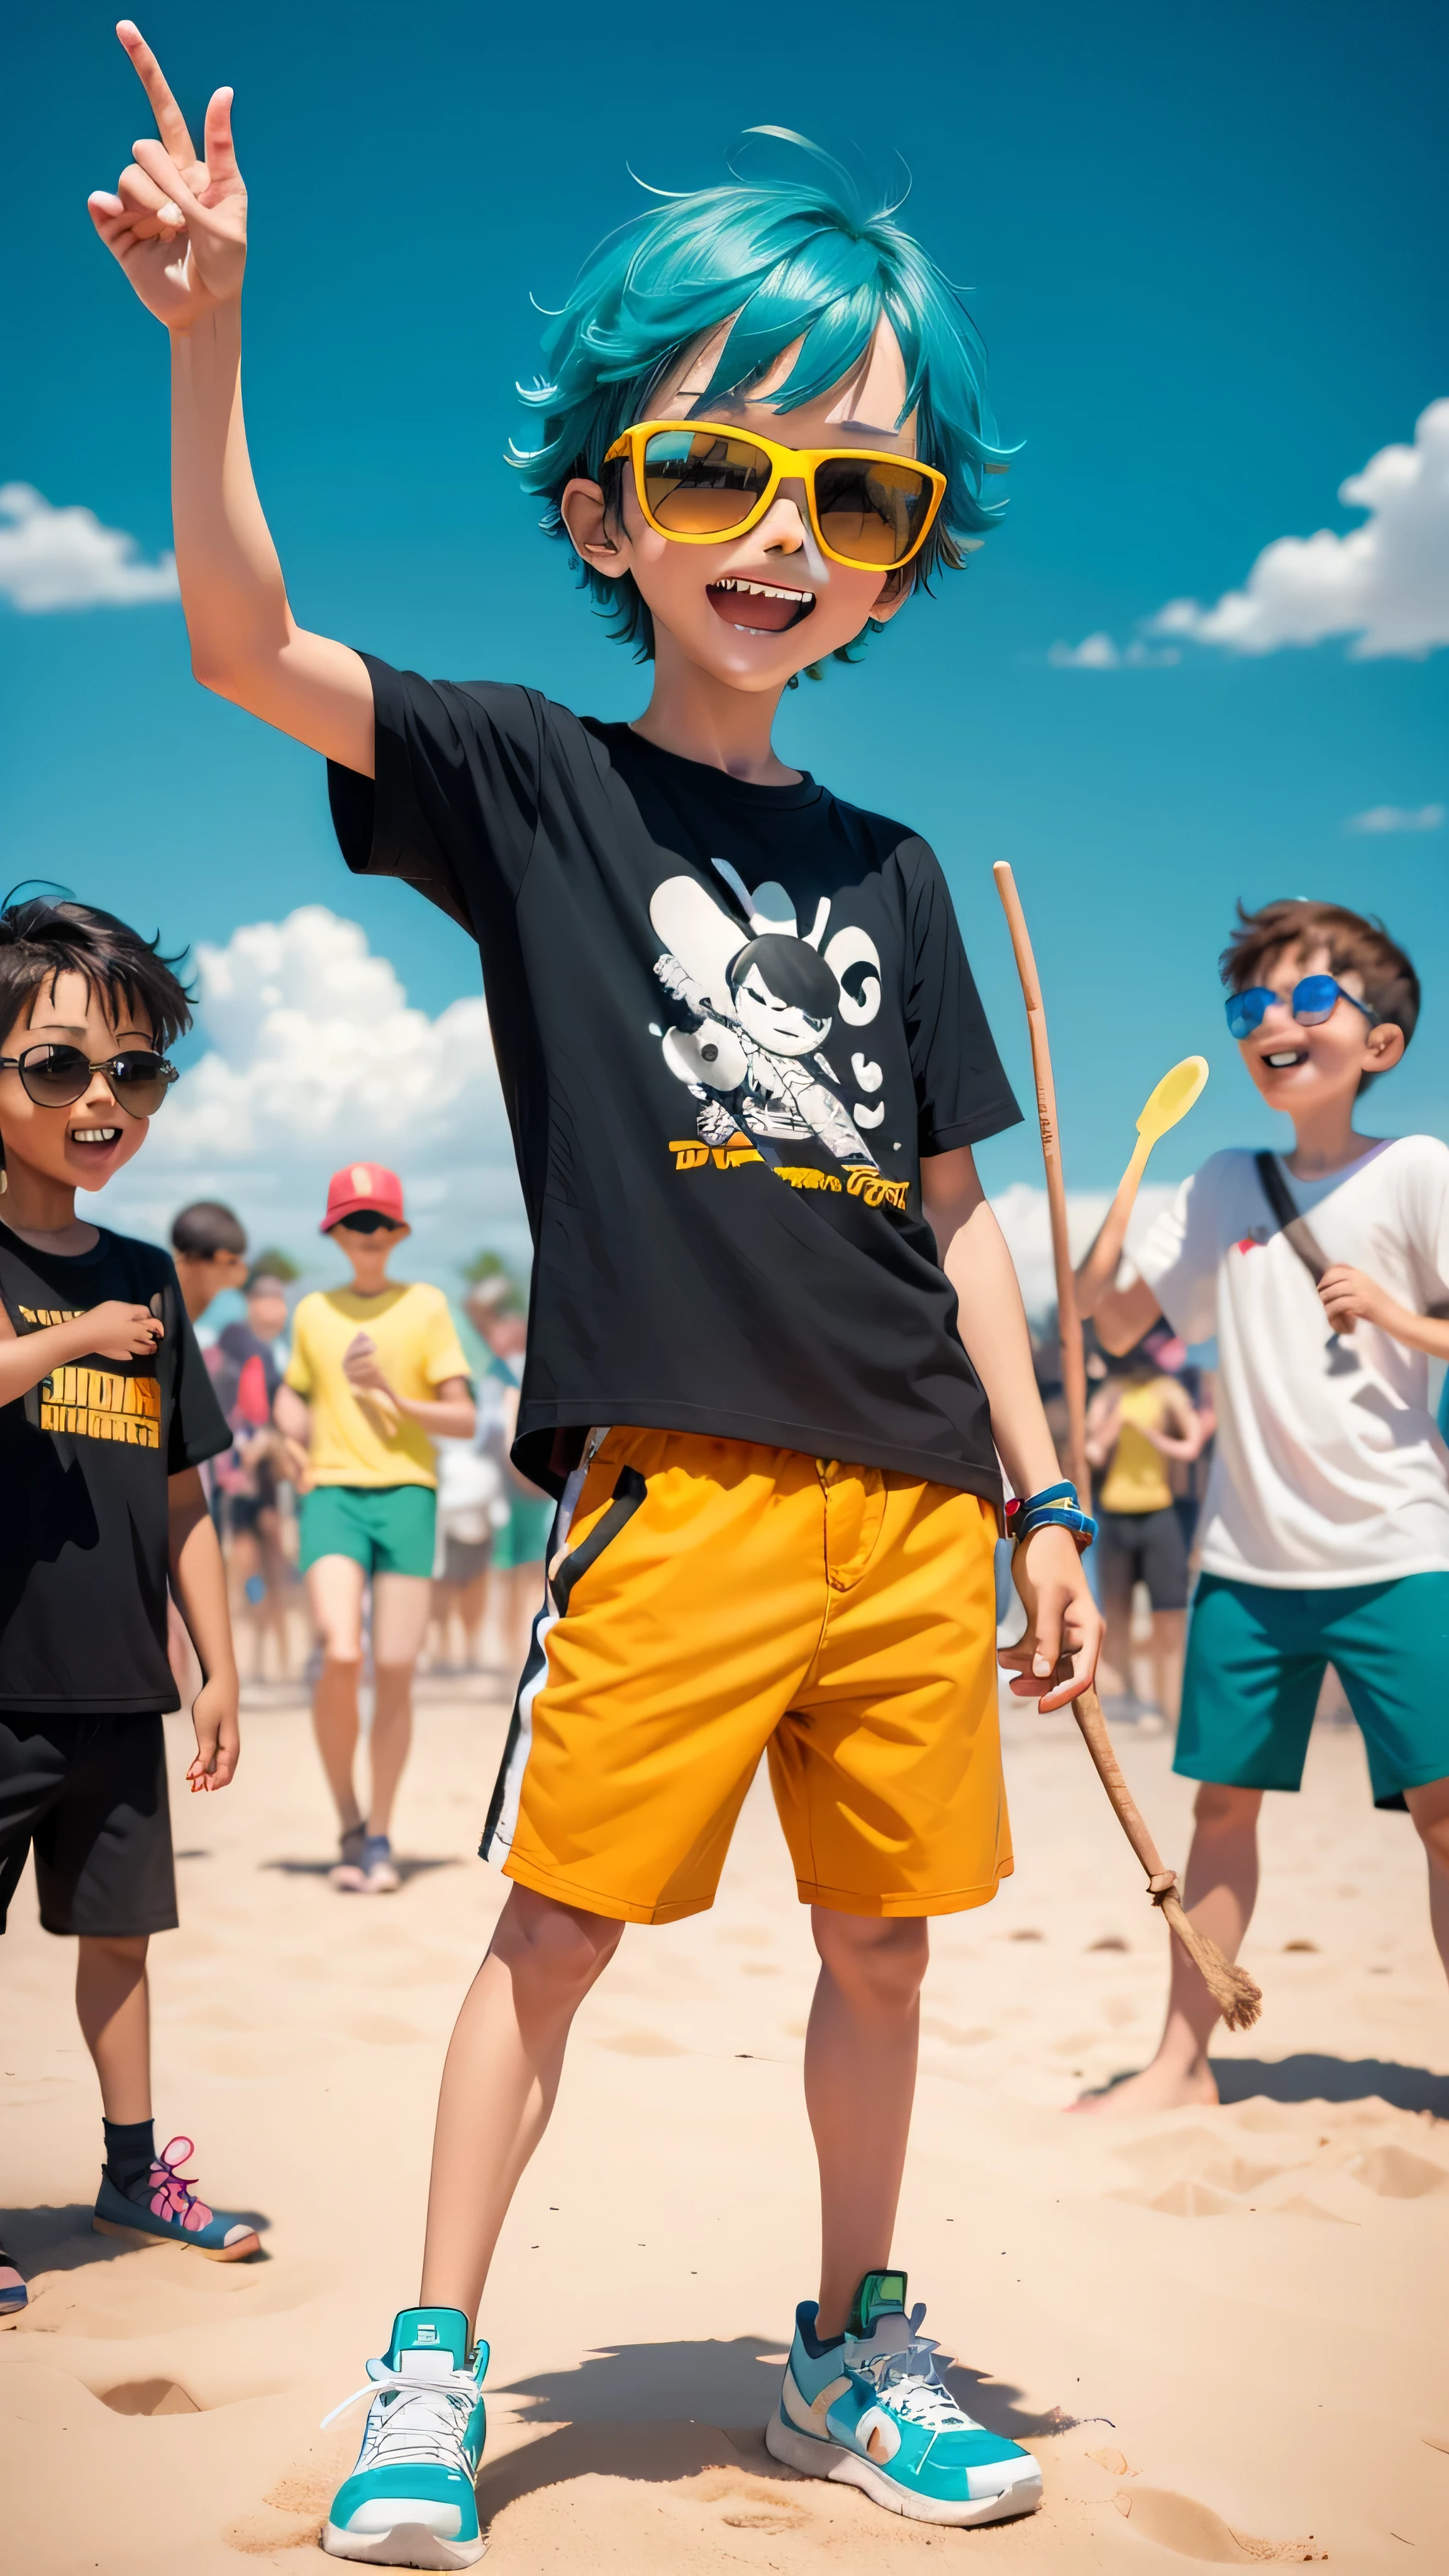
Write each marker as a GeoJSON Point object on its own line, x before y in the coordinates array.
{"type": "Point", "coordinates": [386, 1529]}
{"type": "Point", "coordinates": [1256, 1658]}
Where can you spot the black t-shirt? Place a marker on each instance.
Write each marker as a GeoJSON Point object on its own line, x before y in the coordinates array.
{"type": "Point", "coordinates": [84, 1462]}
{"type": "Point", "coordinates": [729, 1022]}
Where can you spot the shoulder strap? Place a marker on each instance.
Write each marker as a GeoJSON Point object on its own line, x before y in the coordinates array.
{"type": "Point", "coordinates": [1296, 1228]}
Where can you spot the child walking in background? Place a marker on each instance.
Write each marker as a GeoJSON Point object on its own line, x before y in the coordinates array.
{"type": "Point", "coordinates": [376, 1374]}
{"type": "Point", "coordinates": [106, 1415]}
{"type": "Point", "coordinates": [1324, 1275]}
{"type": "Point", "coordinates": [1138, 1421]}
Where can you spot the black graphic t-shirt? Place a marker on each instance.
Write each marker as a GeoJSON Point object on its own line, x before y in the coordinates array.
{"type": "Point", "coordinates": [729, 1022]}
{"type": "Point", "coordinates": [84, 1459]}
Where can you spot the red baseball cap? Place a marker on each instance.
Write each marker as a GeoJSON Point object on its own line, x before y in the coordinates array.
{"type": "Point", "coordinates": [362, 1185]}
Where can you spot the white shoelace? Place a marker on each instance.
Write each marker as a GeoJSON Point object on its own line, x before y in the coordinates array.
{"type": "Point", "coordinates": [413, 2419]}
{"type": "Point", "coordinates": [907, 2384]}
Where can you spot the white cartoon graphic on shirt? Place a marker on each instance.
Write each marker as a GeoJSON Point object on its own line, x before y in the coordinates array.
{"type": "Point", "coordinates": [762, 1008]}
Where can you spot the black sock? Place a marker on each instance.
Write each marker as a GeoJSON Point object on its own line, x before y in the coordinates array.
{"type": "Point", "coordinates": [130, 2153]}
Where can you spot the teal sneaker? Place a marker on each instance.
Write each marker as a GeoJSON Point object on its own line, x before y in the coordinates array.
{"type": "Point", "coordinates": [868, 2410]}
{"type": "Point", "coordinates": [409, 2502]}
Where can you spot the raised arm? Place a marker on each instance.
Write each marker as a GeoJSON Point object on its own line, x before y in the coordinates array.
{"type": "Point", "coordinates": [177, 225]}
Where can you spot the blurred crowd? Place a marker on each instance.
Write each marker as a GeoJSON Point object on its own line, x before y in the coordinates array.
{"type": "Point", "coordinates": [1150, 1430]}
{"type": "Point", "coordinates": [492, 1527]}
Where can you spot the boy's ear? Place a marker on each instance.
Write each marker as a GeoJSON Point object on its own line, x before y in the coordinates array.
{"type": "Point", "coordinates": [1384, 1047]}
{"type": "Point", "coordinates": [895, 591]}
{"type": "Point", "coordinates": [597, 539]}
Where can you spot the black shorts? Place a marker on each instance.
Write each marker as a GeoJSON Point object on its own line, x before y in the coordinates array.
{"type": "Point", "coordinates": [90, 1793]}
{"type": "Point", "coordinates": [1143, 1547]}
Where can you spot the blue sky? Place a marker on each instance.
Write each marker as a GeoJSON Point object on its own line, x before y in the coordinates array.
{"type": "Point", "coordinates": [1207, 252]}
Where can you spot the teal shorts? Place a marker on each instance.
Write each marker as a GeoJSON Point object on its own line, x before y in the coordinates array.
{"type": "Point", "coordinates": [1256, 1658]}
{"type": "Point", "coordinates": [386, 1529]}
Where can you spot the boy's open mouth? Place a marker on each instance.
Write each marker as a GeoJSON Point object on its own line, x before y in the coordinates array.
{"type": "Point", "coordinates": [759, 607]}
{"type": "Point", "coordinates": [1281, 1058]}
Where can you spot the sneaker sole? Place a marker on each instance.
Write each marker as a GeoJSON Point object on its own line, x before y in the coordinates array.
{"type": "Point", "coordinates": [408, 2544]}
{"type": "Point", "coordinates": [142, 2236]}
{"type": "Point", "coordinates": [817, 2459]}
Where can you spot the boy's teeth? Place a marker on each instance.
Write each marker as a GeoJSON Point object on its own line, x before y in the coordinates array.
{"type": "Point", "coordinates": [762, 590]}
{"type": "Point", "coordinates": [1279, 1061]}
{"type": "Point", "coordinates": [96, 1135]}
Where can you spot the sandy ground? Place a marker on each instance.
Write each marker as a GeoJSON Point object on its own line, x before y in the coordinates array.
{"type": "Point", "coordinates": [1280, 2374]}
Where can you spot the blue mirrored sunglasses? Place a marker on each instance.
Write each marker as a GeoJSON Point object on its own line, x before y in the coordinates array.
{"type": "Point", "coordinates": [1313, 1000]}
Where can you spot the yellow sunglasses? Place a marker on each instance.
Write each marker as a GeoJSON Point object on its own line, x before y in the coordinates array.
{"type": "Point", "coordinates": [702, 482]}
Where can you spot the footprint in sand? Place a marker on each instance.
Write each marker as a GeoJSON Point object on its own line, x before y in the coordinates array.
{"type": "Point", "coordinates": [379, 2030]}
{"type": "Point", "coordinates": [1193, 2530]}
{"type": "Point", "coordinates": [149, 2397]}
{"type": "Point", "coordinates": [1396, 2175]}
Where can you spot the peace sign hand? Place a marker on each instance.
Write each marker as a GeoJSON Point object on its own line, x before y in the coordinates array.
{"type": "Point", "coordinates": [177, 225]}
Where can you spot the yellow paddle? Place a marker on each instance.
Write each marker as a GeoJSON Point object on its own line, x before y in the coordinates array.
{"type": "Point", "coordinates": [1170, 1100]}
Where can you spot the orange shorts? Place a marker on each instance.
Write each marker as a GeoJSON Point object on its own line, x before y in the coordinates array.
{"type": "Point", "coordinates": [714, 1601]}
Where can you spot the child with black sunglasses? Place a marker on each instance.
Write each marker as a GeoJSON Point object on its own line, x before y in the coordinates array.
{"type": "Point", "coordinates": [1324, 1277]}
{"type": "Point", "coordinates": [106, 1415]}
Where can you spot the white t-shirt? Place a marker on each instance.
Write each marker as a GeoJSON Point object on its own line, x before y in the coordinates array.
{"type": "Point", "coordinates": [1329, 1468]}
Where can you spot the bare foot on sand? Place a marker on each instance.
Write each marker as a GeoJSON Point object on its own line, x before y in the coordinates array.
{"type": "Point", "coordinates": [1165, 2085]}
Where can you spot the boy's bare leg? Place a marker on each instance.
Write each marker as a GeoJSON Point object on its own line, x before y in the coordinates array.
{"type": "Point", "coordinates": [334, 1597]}
{"type": "Point", "coordinates": [400, 1605]}
{"type": "Point", "coordinates": [1169, 1628]}
{"type": "Point", "coordinates": [1429, 1808]}
{"type": "Point", "coordinates": [113, 2007]}
{"type": "Point", "coordinates": [500, 2080]}
{"type": "Point", "coordinates": [860, 2082]}
{"type": "Point", "coordinates": [1117, 1643]}
{"type": "Point", "coordinates": [1220, 1892]}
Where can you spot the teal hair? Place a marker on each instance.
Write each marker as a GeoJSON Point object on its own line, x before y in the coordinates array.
{"type": "Point", "coordinates": [797, 257]}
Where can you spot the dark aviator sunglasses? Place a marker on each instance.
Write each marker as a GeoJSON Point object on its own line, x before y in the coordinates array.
{"type": "Point", "coordinates": [56, 1076]}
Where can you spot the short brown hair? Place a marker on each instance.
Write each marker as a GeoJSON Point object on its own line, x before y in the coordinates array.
{"type": "Point", "coordinates": [1353, 940]}
{"type": "Point", "coordinates": [205, 1228]}
{"type": "Point", "coordinates": [40, 939]}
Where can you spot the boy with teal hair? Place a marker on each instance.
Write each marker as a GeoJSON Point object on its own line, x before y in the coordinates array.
{"type": "Point", "coordinates": [776, 1344]}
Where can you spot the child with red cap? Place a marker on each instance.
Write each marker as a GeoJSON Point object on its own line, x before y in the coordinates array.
{"type": "Point", "coordinates": [376, 1375]}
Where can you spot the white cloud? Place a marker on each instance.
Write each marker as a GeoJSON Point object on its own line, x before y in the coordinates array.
{"type": "Point", "coordinates": [1398, 818]}
{"type": "Point", "coordinates": [1386, 583]}
{"type": "Point", "coordinates": [1099, 653]}
{"type": "Point", "coordinates": [65, 559]}
{"type": "Point", "coordinates": [1021, 1213]}
{"type": "Point", "coordinates": [316, 1059]}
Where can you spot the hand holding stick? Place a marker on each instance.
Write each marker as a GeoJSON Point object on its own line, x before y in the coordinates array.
{"type": "Point", "coordinates": [1231, 1988]}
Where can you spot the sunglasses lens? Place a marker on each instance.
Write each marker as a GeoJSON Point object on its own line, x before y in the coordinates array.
{"type": "Point", "coordinates": [870, 512]}
{"type": "Point", "coordinates": [54, 1076]}
{"type": "Point", "coordinates": [1245, 1010]}
{"type": "Point", "coordinates": [140, 1082]}
{"type": "Point", "coordinates": [699, 484]}
{"type": "Point", "coordinates": [1315, 1000]}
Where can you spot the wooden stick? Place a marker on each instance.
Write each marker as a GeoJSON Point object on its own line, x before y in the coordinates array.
{"type": "Point", "coordinates": [1232, 1989]}
{"type": "Point", "coordinates": [1069, 1323]}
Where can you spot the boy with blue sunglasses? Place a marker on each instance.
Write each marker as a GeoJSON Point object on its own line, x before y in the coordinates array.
{"type": "Point", "coordinates": [776, 1343]}
{"type": "Point", "coordinates": [1324, 1277]}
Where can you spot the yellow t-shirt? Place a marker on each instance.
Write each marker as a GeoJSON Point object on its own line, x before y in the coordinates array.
{"type": "Point", "coordinates": [1136, 1480]}
{"type": "Point", "coordinates": [418, 1349]}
